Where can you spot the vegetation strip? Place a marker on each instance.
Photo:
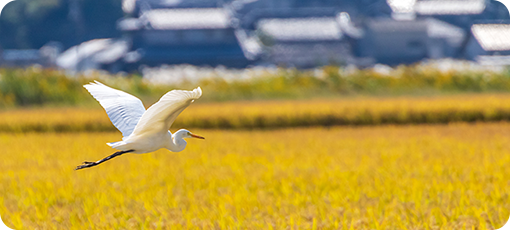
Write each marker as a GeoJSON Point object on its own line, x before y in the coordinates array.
{"type": "Point", "coordinates": [281, 114]}
{"type": "Point", "coordinates": [34, 86]}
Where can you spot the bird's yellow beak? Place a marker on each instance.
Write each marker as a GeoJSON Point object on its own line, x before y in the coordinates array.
{"type": "Point", "coordinates": [197, 136]}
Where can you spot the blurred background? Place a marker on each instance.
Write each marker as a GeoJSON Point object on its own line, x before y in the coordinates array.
{"type": "Point", "coordinates": [131, 35]}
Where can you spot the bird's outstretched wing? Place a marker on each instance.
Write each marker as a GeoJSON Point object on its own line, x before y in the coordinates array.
{"type": "Point", "coordinates": [160, 116]}
{"type": "Point", "coordinates": [123, 109]}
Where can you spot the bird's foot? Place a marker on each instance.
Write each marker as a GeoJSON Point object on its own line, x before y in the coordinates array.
{"type": "Point", "coordinates": [85, 164]}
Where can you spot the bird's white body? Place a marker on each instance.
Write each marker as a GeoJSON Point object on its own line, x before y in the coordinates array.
{"type": "Point", "coordinates": [145, 131]}
{"type": "Point", "coordinates": [150, 143]}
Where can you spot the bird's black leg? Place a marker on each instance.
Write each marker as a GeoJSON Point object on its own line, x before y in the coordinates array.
{"type": "Point", "coordinates": [88, 164]}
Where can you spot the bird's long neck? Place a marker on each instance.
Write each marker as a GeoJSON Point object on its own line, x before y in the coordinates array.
{"type": "Point", "coordinates": [176, 142]}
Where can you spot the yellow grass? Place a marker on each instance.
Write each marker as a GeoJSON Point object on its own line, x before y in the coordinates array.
{"type": "Point", "coordinates": [285, 113]}
{"type": "Point", "coordinates": [405, 177]}
{"type": "Point", "coordinates": [348, 111]}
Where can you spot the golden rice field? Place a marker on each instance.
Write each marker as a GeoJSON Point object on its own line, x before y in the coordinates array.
{"type": "Point", "coordinates": [282, 113]}
{"type": "Point", "coordinates": [453, 176]}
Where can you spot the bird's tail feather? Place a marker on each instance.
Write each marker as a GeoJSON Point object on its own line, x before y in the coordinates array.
{"type": "Point", "coordinates": [116, 144]}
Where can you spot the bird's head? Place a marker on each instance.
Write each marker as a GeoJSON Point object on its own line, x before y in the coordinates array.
{"type": "Point", "coordinates": [187, 134]}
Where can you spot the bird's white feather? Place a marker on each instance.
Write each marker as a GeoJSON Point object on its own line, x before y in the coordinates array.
{"type": "Point", "coordinates": [123, 109]}
{"type": "Point", "coordinates": [160, 116]}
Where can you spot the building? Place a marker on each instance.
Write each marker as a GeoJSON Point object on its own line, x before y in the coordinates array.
{"type": "Point", "coordinates": [304, 42]}
{"type": "Point", "coordinates": [45, 56]}
{"type": "Point", "coordinates": [136, 8]}
{"type": "Point", "coordinates": [107, 54]}
{"type": "Point", "coordinates": [249, 12]}
{"type": "Point", "coordinates": [394, 42]}
{"type": "Point", "coordinates": [462, 13]}
{"type": "Point", "coordinates": [489, 44]}
{"type": "Point", "coordinates": [197, 36]}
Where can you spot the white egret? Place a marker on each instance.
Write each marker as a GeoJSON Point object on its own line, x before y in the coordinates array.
{"type": "Point", "coordinates": [143, 131]}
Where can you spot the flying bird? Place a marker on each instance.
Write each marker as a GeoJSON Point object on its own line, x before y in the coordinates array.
{"type": "Point", "coordinates": [143, 131]}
